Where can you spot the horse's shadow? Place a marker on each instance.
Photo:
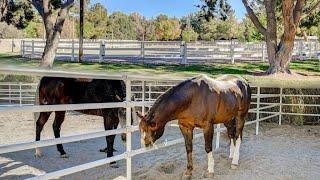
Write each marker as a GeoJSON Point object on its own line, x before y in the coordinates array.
{"type": "Point", "coordinates": [23, 164]}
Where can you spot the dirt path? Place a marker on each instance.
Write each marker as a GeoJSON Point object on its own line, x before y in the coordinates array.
{"type": "Point", "coordinates": [285, 152]}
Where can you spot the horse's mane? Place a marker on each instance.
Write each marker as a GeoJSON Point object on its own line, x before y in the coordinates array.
{"type": "Point", "coordinates": [164, 97]}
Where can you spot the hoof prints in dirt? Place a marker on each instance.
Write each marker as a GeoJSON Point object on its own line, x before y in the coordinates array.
{"type": "Point", "coordinates": [167, 168]}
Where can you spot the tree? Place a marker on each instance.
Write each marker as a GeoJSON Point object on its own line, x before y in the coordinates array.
{"type": "Point", "coordinates": [16, 12]}
{"type": "Point", "coordinates": [53, 13]}
{"type": "Point", "coordinates": [215, 9]}
{"type": "Point", "coordinates": [167, 29]}
{"type": "Point", "coordinates": [97, 18]}
{"type": "Point", "coordinates": [150, 31]}
{"type": "Point", "coordinates": [121, 26]}
{"type": "Point", "coordinates": [188, 34]}
{"type": "Point", "coordinates": [280, 52]}
{"type": "Point", "coordinates": [140, 24]}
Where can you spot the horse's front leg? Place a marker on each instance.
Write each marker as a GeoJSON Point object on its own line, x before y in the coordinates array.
{"type": "Point", "coordinates": [41, 120]}
{"type": "Point", "coordinates": [208, 137]}
{"type": "Point", "coordinates": [187, 133]}
{"type": "Point", "coordinates": [58, 120]}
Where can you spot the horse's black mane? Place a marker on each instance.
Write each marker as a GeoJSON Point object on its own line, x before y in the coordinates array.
{"type": "Point", "coordinates": [164, 97]}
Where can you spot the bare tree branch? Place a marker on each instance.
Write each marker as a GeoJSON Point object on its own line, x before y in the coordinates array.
{"type": "Point", "coordinates": [297, 12]}
{"type": "Point", "coordinates": [38, 5]}
{"type": "Point", "coordinates": [254, 18]}
{"type": "Point", "coordinates": [270, 6]}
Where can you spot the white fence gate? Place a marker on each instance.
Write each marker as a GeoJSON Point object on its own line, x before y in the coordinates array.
{"type": "Point", "coordinates": [142, 88]}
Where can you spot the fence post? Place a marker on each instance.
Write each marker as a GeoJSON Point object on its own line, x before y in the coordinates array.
{"type": "Point", "coordinates": [258, 110]}
{"type": "Point", "coordinates": [143, 96]}
{"type": "Point", "coordinates": [12, 45]}
{"type": "Point", "coordinates": [128, 127]}
{"type": "Point", "coordinates": [262, 51]}
{"type": "Point", "coordinates": [280, 107]}
{"type": "Point", "coordinates": [183, 52]}
{"type": "Point", "coordinates": [22, 48]}
{"type": "Point", "coordinates": [149, 92]}
{"type": "Point", "coordinates": [142, 50]}
{"type": "Point", "coordinates": [218, 136]}
{"type": "Point", "coordinates": [232, 52]}
{"type": "Point", "coordinates": [9, 93]}
{"type": "Point", "coordinates": [32, 50]}
{"type": "Point", "coordinates": [102, 51]}
{"type": "Point", "coordinates": [20, 93]}
{"type": "Point", "coordinates": [72, 51]}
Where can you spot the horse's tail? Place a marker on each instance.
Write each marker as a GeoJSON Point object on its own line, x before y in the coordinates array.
{"type": "Point", "coordinates": [37, 102]}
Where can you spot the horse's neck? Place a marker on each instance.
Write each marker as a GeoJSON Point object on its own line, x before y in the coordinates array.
{"type": "Point", "coordinates": [168, 112]}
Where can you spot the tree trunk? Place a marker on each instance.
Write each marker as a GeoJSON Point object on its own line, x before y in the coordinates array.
{"type": "Point", "coordinates": [53, 32]}
{"type": "Point", "coordinates": [49, 53]}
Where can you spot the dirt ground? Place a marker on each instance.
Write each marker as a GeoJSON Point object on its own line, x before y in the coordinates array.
{"type": "Point", "coordinates": [278, 152]}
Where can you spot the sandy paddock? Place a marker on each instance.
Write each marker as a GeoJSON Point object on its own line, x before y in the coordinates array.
{"type": "Point", "coordinates": [278, 152]}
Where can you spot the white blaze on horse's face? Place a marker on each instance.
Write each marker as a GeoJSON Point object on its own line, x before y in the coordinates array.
{"type": "Point", "coordinates": [146, 139]}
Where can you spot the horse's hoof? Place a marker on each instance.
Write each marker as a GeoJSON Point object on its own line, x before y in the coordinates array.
{"type": "Point", "coordinates": [38, 155]}
{"type": "Point", "coordinates": [114, 165]}
{"type": "Point", "coordinates": [210, 174]}
{"type": "Point", "coordinates": [186, 177]}
{"type": "Point", "coordinates": [234, 166]}
{"type": "Point", "coordinates": [64, 156]}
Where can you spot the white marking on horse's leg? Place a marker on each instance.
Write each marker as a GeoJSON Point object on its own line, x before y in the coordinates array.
{"type": "Point", "coordinates": [235, 159]}
{"type": "Point", "coordinates": [142, 141]}
{"type": "Point", "coordinates": [38, 152]}
{"type": "Point", "coordinates": [210, 163]}
{"type": "Point", "coordinates": [231, 148]}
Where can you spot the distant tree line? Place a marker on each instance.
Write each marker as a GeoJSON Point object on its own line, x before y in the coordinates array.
{"type": "Point", "coordinates": [217, 22]}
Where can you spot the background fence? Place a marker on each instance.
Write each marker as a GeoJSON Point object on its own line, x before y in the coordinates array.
{"type": "Point", "coordinates": [167, 51]}
{"type": "Point", "coordinates": [264, 106]}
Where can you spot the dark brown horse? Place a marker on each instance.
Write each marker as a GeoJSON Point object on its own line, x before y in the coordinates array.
{"type": "Point", "coordinates": [57, 90]}
{"type": "Point", "coordinates": [201, 102]}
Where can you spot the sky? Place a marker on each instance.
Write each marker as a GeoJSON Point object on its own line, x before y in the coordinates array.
{"type": "Point", "coordinates": [172, 8]}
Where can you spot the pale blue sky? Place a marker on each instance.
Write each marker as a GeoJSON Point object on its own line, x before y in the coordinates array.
{"type": "Point", "coordinates": [152, 8]}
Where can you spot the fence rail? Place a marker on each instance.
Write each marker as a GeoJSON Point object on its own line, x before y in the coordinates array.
{"type": "Point", "coordinates": [167, 52]}
{"type": "Point", "coordinates": [144, 91]}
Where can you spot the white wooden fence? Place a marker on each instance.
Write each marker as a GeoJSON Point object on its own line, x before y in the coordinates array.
{"type": "Point", "coordinates": [143, 90]}
{"type": "Point", "coordinates": [166, 51]}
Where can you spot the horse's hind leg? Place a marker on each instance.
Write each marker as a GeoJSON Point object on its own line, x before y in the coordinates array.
{"type": "Point", "coordinates": [58, 120]}
{"type": "Point", "coordinates": [231, 130]}
{"type": "Point", "coordinates": [40, 122]}
{"type": "Point", "coordinates": [239, 127]}
{"type": "Point", "coordinates": [208, 137]}
{"type": "Point", "coordinates": [111, 121]}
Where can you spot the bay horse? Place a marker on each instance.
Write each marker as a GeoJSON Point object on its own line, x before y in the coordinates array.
{"type": "Point", "coordinates": [59, 90]}
{"type": "Point", "coordinates": [200, 102]}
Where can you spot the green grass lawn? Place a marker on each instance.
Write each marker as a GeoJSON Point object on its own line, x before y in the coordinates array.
{"type": "Point", "coordinates": [308, 67]}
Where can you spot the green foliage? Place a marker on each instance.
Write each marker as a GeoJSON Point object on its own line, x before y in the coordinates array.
{"type": "Point", "coordinates": [219, 9]}
{"type": "Point", "coordinates": [188, 34]}
{"type": "Point", "coordinates": [121, 26]}
{"type": "Point", "coordinates": [167, 29]}
{"type": "Point", "coordinates": [19, 13]}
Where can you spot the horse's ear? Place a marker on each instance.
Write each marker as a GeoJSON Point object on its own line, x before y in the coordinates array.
{"type": "Point", "coordinates": [140, 115]}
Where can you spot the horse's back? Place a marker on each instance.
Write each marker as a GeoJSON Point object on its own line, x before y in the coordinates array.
{"type": "Point", "coordinates": [60, 90]}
